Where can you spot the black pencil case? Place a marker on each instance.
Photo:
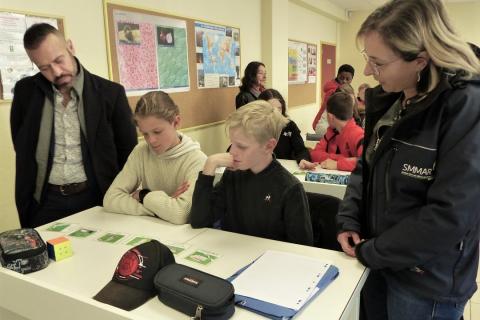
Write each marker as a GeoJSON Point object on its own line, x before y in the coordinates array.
{"type": "Point", "coordinates": [198, 294]}
{"type": "Point", "coordinates": [23, 250]}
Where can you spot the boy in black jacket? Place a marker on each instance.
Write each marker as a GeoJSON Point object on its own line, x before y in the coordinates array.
{"type": "Point", "coordinates": [256, 195]}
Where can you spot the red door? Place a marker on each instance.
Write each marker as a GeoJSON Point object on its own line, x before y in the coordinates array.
{"type": "Point", "coordinates": [328, 66]}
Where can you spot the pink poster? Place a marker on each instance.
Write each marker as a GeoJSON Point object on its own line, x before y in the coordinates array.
{"type": "Point", "coordinates": [137, 56]}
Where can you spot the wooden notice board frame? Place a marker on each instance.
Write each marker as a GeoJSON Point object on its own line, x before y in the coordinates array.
{"type": "Point", "coordinates": [60, 24]}
{"type": "Point", "coordinates": [303, 93]}
{"type": "Point", "coordinates": [198, 107]}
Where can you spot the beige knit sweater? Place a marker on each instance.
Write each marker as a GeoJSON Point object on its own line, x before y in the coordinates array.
{"type": "Point", "coordinates": [162, 174]}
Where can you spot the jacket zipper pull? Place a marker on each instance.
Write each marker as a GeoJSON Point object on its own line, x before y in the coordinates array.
{"type": "Point", "coordinates": [198, 313]}
{"type": "Point", "coordinates": [376, 144]}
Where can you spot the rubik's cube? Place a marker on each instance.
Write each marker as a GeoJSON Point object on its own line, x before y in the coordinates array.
{"type": "Point", "coordinates": [59, 248]}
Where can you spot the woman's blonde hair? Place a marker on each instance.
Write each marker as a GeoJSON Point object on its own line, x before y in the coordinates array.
{"type": "Point", "coordinates": [157, 104]}
{"type": "Point", "coordinates": [259, 120]}
{"type": "Point", "coordinates": [409, 27]}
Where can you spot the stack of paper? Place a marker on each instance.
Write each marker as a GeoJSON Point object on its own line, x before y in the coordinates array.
{"type": "Point", "coordinates": [278, 284]}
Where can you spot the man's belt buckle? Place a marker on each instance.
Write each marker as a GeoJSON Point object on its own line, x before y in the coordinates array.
{"type": "Point", "coordinates": [63, 189]}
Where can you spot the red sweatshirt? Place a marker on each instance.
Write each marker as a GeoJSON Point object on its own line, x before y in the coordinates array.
{"type": "Point", "coordinates": [328, 89]}
{"type": "Point", "coordinates": [341, 147]}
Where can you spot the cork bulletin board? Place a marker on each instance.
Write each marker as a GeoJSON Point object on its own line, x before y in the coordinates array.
{"type": "Point", "coordinates": [302, 72]}
{"type": "Point", "coordinates": [196, 62]}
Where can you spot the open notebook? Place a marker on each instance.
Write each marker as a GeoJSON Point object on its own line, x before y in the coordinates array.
{"type": "Point", "coordinates": [278, 284]}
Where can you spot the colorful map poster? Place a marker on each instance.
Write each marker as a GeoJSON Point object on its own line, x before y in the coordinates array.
{"type": "Point", "coordinates": [297, 62]}
{"type": "Point", "coordinates": [151, 52]}
{"type": "Point", "coordinates": [218, 55]}
{"type": "Point", "coordinates": [312, 63]}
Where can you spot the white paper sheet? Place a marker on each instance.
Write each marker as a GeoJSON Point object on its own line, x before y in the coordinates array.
{"type": "Point", "coordinates": [281, 278]}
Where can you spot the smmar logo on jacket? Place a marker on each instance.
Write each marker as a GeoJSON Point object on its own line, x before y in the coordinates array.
{"type": "Point", "coordinates": [418, 172]}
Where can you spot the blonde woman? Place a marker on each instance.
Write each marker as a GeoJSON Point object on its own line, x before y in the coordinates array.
{"type": "Point", "coordinates": [411, 211]}
{"type": "Point", "coordinates": [160, 173]}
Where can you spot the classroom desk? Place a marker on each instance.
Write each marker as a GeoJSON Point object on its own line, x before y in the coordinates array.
{"type": "Point", "coordinates": [64, 289]}
{"type": "Point", "coordinates": [98, 218]}
{"type": "Point", "coordinates": [335, 190]}
{"type": "Point", "coordinates": [340, 300]}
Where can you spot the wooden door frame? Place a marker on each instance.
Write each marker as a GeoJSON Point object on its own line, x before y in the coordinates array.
{"type": "Point", "coordinates": [321, 66]}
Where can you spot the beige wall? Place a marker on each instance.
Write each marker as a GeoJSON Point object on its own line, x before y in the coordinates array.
{"type": "Point", "coordinates": [274, 38]}
{"type": "Point", "coordinates": [464, 17]}
{"type": "Point", "coordinates": [8, 211]}
{"type": "Point", "coordinates": [313, 27]}
{"type": "Point", "coordinates": [349, 53]}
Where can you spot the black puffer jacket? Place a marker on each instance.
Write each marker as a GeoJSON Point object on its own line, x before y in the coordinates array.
{"type": "Point", "coordinates": [418, 202]}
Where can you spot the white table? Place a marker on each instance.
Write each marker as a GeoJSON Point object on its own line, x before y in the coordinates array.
{"type": "Point", "coordinates": [98, 218]}
{"type": "Point", "coordinates": [64, 289]}
{"type": "Point", "coordinates": [340, 300]}
{"type": "Point", "coordinates": [335, 190]}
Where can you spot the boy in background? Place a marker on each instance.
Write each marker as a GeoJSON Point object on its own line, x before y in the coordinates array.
{"type": "Point", "coordinates": [345, 75]}
{"type": "Point", "coordinates": [342, 144]}
{"type": "Point", "coordinates": [361, 101]}
{"type": "Point", "coordinates": [256, 195]}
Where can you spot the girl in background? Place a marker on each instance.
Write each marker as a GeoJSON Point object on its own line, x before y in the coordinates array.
{"type": "Point", "coordinates": [290, 145]}
{"type": "Point", "coordinates": [253, 83]}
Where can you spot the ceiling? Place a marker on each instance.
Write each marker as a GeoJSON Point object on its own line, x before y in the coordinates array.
{"type": "Point", "coordinates": [361, 5]}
